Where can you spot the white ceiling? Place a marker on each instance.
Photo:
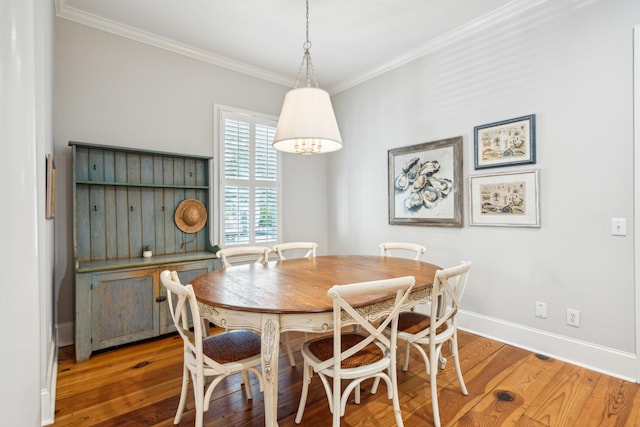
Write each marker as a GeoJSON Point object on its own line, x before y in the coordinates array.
{"type": "Point", "coordinates": [352, 40]}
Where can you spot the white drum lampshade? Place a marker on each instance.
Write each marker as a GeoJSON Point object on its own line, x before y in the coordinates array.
{"type": "Point", "coordinates": [307, 123]}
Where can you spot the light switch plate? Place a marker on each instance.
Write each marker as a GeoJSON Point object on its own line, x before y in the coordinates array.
{"type": "Point", "coordinates": [618, 226]}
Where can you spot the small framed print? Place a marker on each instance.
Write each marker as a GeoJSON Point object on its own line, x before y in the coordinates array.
{"type": "Point", "coordinates": [50, 202]}
{"type": "Point", "coordinates": [506, 143]}
{"type": "Point", "coordinates": [505, 200]}
{"type": "Point", "coordinates": [425, 184]}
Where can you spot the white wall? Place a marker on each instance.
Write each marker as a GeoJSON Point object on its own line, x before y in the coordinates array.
{"type": "Point", "coordinates": [570, 63]}
{"type": "Point", "coordinates": [44, 35]}
{"type": "Point", "coordinates": [114, 91]}
{"type": "Point", "coordinates": [567, 61]}
{"type": "Point", "coordinates": [26, 33]}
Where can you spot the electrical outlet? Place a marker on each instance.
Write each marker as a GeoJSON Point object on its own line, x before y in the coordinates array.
{"type": "Point", "coordinates": [541, 309]}
{"type": "Point", "coordinates": [573, 317]}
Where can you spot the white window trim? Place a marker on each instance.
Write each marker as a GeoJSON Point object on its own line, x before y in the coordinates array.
{"type": "Point", "coordinates": [217, 224]}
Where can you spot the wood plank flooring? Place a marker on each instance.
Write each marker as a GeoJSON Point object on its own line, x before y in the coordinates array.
{"type": "Point", "coordinates": [139, 385]}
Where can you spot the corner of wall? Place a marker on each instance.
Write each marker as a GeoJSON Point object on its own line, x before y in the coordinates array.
{"type": "Point", "coordinates": [48, 393]}
{"type": "Point", "coordinates": [602, 359]}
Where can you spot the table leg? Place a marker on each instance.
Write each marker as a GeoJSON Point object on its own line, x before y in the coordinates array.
{"type": "Point", "coordinates": [270, 349]}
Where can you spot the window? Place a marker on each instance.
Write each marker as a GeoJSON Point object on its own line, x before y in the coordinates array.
{"type": "Point", "coordinates": [249, 171]}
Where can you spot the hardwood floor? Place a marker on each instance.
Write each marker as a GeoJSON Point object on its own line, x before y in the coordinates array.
{"type": "Point", "coordinates": [139, 385]}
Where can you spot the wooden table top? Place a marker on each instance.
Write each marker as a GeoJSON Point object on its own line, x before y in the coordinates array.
{"type": "Point", "coordinates": [300, 285]}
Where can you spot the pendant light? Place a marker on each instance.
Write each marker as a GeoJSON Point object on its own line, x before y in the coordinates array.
{"type": "Point", "coordinates": [307, 123]}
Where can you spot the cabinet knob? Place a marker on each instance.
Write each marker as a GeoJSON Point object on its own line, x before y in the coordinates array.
{"type": "Point", "coordinates": [161, 298]}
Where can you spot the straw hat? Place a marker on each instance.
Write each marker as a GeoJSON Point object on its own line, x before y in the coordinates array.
{"type": "Point", "coordinates": [190, 216]}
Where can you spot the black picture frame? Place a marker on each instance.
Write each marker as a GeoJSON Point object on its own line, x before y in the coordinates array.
{"type": "Point", "coordinates": [505, 143]}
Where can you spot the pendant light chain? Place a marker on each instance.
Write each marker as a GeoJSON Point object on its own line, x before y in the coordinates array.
{"type": "Point", "coordinates": [308, 42]}
{"type": "Point", "coordinates": [306, 63]}
{"type": "Point", "coordinates": [307, 124]}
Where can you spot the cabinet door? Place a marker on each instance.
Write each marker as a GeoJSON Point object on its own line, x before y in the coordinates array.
{"type": "Point", "coordinates": [186, 273]}
{"type": "Point", "coordinates": [124, 307]}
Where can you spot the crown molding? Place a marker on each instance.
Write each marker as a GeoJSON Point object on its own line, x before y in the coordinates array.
{"type": "Point", "coordinates": [63, 10]}
{"type": "Point", "coordinates": [508, 11]}
{"type": "Point", "coordinates": [488, 20]}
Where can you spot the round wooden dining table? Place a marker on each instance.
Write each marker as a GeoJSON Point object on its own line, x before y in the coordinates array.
{"type": "Point", "coordinates": [291, 295]}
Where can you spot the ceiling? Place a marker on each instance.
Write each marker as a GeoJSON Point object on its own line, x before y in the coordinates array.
{"type": "Point", "coordinates": [352, 40]}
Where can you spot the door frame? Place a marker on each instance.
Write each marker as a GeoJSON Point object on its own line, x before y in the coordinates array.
{"type": "Point", "coordinates": [636, 182]}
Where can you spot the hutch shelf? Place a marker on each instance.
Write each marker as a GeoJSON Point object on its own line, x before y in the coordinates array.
{"type": "Point", "coordinates": [124, 200]}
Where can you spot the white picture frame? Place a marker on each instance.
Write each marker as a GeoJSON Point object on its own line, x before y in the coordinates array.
{"type": "Point", "coordinates": [508, 199]}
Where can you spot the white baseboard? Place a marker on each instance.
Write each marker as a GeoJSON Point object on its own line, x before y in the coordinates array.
{"type": "Point", "coordinates": [598, 358]}
{"type": "Point", "coordinates": [65, 334]}
{"type": "Point", "coordinates": [48, 393]}
{"type": "Point", "coordinates": [609, 361]}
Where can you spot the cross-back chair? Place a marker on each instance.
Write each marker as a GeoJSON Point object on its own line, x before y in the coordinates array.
{"type": "Point", "coordinates": [391, 248]}
{"type": "Point", "coordinates": [295, 249]}
{"type": "Point", "coordinates": [436, 328]}
{"type": "Point", "coordinates": [231, 256]}
{"type": "Point", "coordinates": [368, 353]}
{"type": "Point", "coordinates": [310, 248]}
{"type": "Point", "coordinates": [402, 249]}
{"type": "Point", "coordinates": [216, 356]}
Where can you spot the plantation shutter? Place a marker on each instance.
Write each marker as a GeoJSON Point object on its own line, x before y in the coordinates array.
{"type": "Point", "coordinates": [266, 194]}
{"type": "Point", "coordinates": [250, 181]}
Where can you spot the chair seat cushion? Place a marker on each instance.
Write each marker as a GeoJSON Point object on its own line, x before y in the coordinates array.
{"type": "Point", "coordinates": [411, 322]}
{"type": "Point", "coordinates": [231, 346]}
{"type": "Point", "coordinates": [323, 350]}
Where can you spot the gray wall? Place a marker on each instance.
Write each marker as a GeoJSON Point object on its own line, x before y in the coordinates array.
{"type": "Point", "coordinates": [114, 91]}
{"type": "Point", "coordinates": [567, 61]}
{"type": "Point", "coordinates": [570, 63]}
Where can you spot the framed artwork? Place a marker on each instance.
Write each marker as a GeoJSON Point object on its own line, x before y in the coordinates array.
{"type": "Point", "coordinates": [50, 202]}
{"type": "Point", "coordinates": [506, 199]}
{"type": "Point", "coordinates": [425, 184]}
{"type": "Point", "coordinates": [506, 143]}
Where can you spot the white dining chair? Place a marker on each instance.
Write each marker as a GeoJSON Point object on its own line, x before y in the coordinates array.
{"type": "Point", "coordinates": [307, 249]}
{"type": "Point", "coordinates": [216, 356]}
{"type": "Point", "coordinates": [239, 255]}
{"type": "Point", "coordinates": [355, 357]}
{"type": "Point", "coordinates": [404, 250]}
{"type": "Point", "coordinates": [243, 254]}
{"type": "Point", "coordinates": [391, 248]}
{"type": "Point", "coordinates": [298, 250]}
{"type": "Point", "coordinates": [259, 254]}
{"type": "Point", "coordinates": [436, 328]}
